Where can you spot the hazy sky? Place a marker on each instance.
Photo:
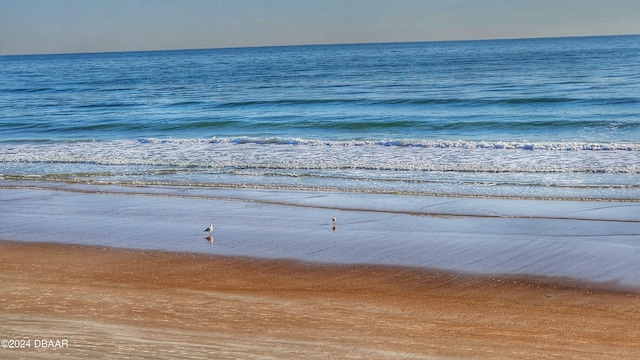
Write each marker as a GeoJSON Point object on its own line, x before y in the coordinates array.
{"type": "Point", "coordinates": [55, 26]}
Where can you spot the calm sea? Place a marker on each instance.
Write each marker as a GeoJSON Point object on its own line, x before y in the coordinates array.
{"type": "Point", "coordinates": [534, 118]}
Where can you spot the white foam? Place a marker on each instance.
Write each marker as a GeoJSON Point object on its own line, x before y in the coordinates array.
{"type": "Point", "coordinates": [276, 153]}
{"type": "Point", "coordinates": [444, 167]}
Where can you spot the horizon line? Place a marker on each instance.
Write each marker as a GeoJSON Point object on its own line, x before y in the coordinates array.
{"type": "Point", "coordinates": [317, 44]}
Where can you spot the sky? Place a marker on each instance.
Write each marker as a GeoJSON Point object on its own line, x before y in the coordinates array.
{"type": "Point", "coordinates": [69, 26]}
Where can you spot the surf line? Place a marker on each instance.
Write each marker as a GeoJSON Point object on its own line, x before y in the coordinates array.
{"type": "Point", "coordinates": [293, 204]}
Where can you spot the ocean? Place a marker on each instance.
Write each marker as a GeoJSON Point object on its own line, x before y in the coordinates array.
{"type": "Point", "coordinates": [553, 118]}
{"type": "Point", "coordinates": [491, 157]}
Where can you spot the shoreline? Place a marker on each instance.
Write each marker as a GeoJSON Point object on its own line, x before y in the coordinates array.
{"type": "Point", "coordinates": [536, 281]}
{"type": "Point", "coordinates": [154, 304]}
{"type": "Point", "coordinates": [76, 186]}
{"type": "Point", "coordinates": [587, 241]}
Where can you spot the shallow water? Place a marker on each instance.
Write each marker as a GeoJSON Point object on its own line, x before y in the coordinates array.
{"type": "Point", "coordinates": [593, 241]}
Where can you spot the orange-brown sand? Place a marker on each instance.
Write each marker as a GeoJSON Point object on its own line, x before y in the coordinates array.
{"type": "Point", "coordinates": [119, 303]}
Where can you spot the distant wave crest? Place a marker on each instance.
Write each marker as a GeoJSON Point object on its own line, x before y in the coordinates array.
{"type": "Point", "coordinates": [436, 144]}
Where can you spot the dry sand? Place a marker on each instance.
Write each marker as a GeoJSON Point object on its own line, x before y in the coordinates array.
{"type": "Point", "coordinates": [119, 303]}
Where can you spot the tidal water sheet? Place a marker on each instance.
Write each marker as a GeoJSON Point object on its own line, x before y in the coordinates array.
{"type": "Point", "coordinates": [511, 156]}
{"type": "Point", "coordinates": [580, 240]}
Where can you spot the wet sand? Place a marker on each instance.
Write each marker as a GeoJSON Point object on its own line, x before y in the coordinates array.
{"type": "Point", "coordinates": [146, 304]}
{"type": "Point", "coordinates": [594, 241]}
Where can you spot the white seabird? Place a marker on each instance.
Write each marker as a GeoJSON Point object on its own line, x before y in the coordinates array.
{"type": "Point", "coordinates": [209, 229]}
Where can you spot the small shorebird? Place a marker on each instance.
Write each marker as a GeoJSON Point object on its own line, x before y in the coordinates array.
{"type": "Point", "coordinates": [334, 220]}
{"type": "Point", "coordinates": [209, 229]}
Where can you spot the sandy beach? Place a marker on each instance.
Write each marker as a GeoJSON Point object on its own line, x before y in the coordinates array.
{"type": "Point", "coordinates": [368, 200]}
{"type": "Point", "coordinates": [147, 304]}
{"type": "Point", "coordinates": [127, 273]}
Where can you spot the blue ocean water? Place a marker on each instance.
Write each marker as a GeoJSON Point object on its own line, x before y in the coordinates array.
{"type": "Point", "coordinates": [531, 118]}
